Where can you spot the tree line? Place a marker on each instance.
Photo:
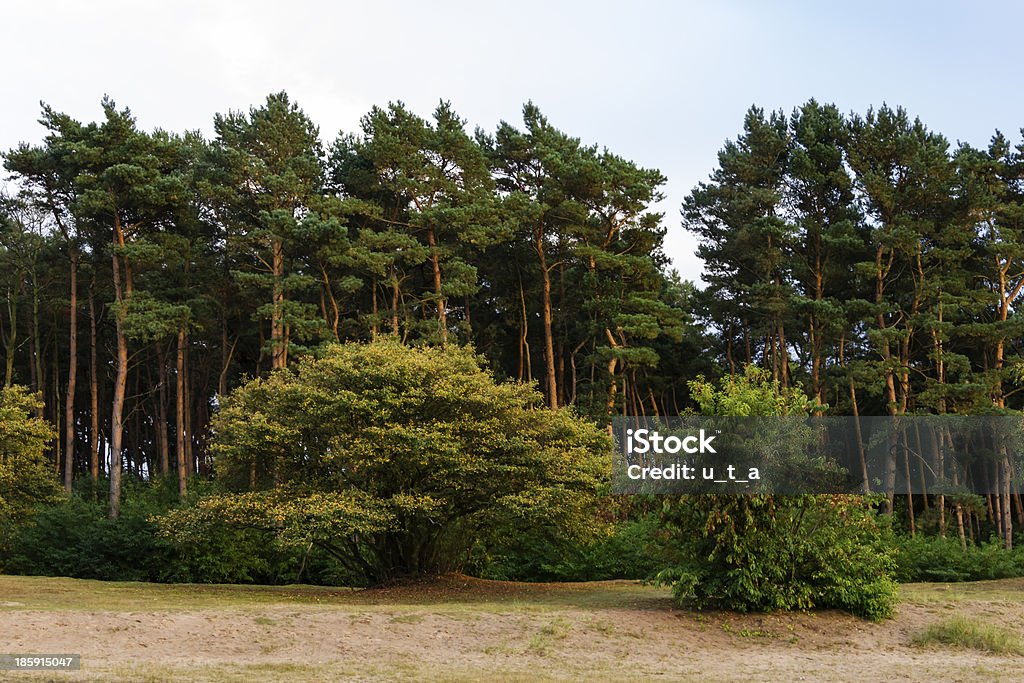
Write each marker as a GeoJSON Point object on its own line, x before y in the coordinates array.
{"type": "Point", "coordinates": [146, 273]}
{"type": "Point", "coordinates": [866, 259]}
{"type": "Point", "coordinates": [860, 257]}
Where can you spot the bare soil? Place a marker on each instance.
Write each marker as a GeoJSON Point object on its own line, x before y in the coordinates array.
{"type": "Point", "coordinates": [458, 628]}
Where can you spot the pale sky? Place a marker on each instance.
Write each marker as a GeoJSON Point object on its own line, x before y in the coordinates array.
{"type": "Point", "coordinates": [661, 83]}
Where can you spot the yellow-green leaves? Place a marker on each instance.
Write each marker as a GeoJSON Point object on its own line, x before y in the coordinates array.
{"type": "Point", "coordinates": [396, 459]}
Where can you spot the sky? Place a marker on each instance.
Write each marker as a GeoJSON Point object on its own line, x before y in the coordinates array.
{"type": "Point", "coordinates": [661, 83]}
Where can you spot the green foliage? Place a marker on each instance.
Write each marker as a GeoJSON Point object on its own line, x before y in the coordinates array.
{"type": "Point", "coordinates": [627, 550]}
{"type": "Point", "coordinates": [752, 393]}
{"type": "Point", "coordinates": [932, 558]}
{"type": "Point", "coordinates": [781, 553]}
{"type": "Point", "coordinates": [76, 538]}
{"type": "Point", "coordinates": [396, 460]}
{"type": "Point", "coordinates": [26, 479]}
{"type": "Point", "coordinates": [773, 552]}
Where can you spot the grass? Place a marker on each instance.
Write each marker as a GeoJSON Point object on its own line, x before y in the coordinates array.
{"type": "Point", "coordinates": [541, 641]}
{"type": "Point", "coordinates": [449, 593]}
{"type": "Point", "coordinates": [45, 593]}
{"type": "Point", "coordinates": [411, 618]}
{"type": "Point", "coordinates": [1009, 591]}
{"type": "Point", "coordinates": [971, 634]}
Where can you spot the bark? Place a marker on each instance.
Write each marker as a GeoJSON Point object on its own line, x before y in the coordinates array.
{"type": "Point", "coordinates": [38, 373]}
{"type": "Point", "coordinates": [551, 387]}
{"type": "Point", "coordinates": [394, 305]}
{"type": "Point", "coordinates": [856, 418]}
{"type": "Point", "coordinates": [190, 461]}
{"type": "Point", "coordinates": [373, 309]}
{"type": "Point", "coordinates": [1007, 512]}
{"type": "Point", "coordinates": [57, 413]}
{"type": "Point", "coordinates": [335, 314]}
{"type": "Point", "coordinates": [524, 344]}
{"type": "Point", "coordinates": [69, 403]}
{"type": "Point", "coordinates": [179, 408]}
{"type": "Point", "coordinates": [94, 393]}
{"type": "Point", "coordinates": [905, 448]}
{"type": "Point", "coordinates": [11, 340]}
{"type": "Point", "coordinates": [960, 515]}
{"type": "Point", "coordinates": [162, 441]}
{"type": "Point", "coordinates": [442, 305]}
{"type": "Point", "coordinates": [120, 377]}
{"type": "Point", "coordinates": [881, 272]}
{"type": "Point", "coordinates": [613, 365]}
{"type": "Point", "coordinates": [278, 335]}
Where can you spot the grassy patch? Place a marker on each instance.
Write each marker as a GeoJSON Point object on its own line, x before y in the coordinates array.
{"type": "Point", "coordinates": [541, 641]}
{"type": "Point", "coordinates": [411, 618]}
{"type": "Point", "coordinates": [1009, 591]}
{"type": "Point", "coordinates": [37, 592]}
{"type": "Point", "coordinates": [971, 634]}
{"type": "Point", "coordinates": [450, 593]}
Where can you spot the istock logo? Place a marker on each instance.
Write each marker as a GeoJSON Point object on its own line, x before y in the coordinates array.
{"type": "Point", "coordinates": [650, 441]}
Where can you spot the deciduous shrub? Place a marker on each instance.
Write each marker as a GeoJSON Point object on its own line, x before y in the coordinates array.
{"type": "Point", "coordinates": [396, 461]}
{"type": "Point", "coordinates": [781, 553]}
{"type": "Point", "coordinates": [774, 552]}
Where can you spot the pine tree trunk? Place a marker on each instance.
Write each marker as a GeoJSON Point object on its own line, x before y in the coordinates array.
{"type": "Point", "coordinates": [278, 341]}
{"type": "Point", "coordinates": [394, 304]}
{"type": "Point", "coordinates": [180, 415]}
{"type": "Point", "coordinates": [11, 340]}
{"type": "Point", "coordinates": [551, 387]}
{"type": "Point", "coordinates": [94, 393]}
{"type": "Point", "coordinates": [120, 377]}
{"type": "Point", "coordinates": [1007, 511]}
{"type": "Point", "coordinates": [69, 403]}
{"type": "Point", "coordinates": [162, 439]}
{"type": "Point", "coordinates": [442, 305]}
{"type": "Point", "coordinates": [373, 309]}
{"type": "Point", "coordinates": [190, 461]}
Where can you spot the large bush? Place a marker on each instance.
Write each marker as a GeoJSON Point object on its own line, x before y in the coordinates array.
{"type": "Point", "coordinates": [396, 460]}
{"type": "Point", "coordinates": [774, 552]}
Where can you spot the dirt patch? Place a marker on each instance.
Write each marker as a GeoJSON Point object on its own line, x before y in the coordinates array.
{"type": "Point", "coordinates": [457, 628]}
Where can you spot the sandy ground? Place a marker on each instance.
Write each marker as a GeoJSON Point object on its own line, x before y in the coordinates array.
{"type": "Point", "coordinates": [464, 629]}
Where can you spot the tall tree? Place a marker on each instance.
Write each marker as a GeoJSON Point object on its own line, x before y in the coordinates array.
{"type": "Point", "coordinates": [905, 177]}
{"type": "Point", "coordinates": [534, 169]}
{"type": "Point", "coordinates": [822, 207]}
{"type": "Point", "coordinates": [429, 179]}
{"type": "Point", "coordinates": [46, 174]}
{"type": "Point", "coordinates": [745, 243]}
{"type": "Point", "coordinates": [270, 170]}
{"type": "Point", "coordinates": [126, 181]}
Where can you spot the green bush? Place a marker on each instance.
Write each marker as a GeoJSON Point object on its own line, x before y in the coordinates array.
{"type": "Point", "coordinates": [629, 550]}
{"type": "Point", "coordinates": [396, 461]}
{"type": "Point", "coordinates": [766, 553]}
{"type": "Point", "coordinates": [932, 558]}
{"type": "Point", "coordinates": [774, 552]}
{"type": "Point", "coordinates": [76, 538]}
